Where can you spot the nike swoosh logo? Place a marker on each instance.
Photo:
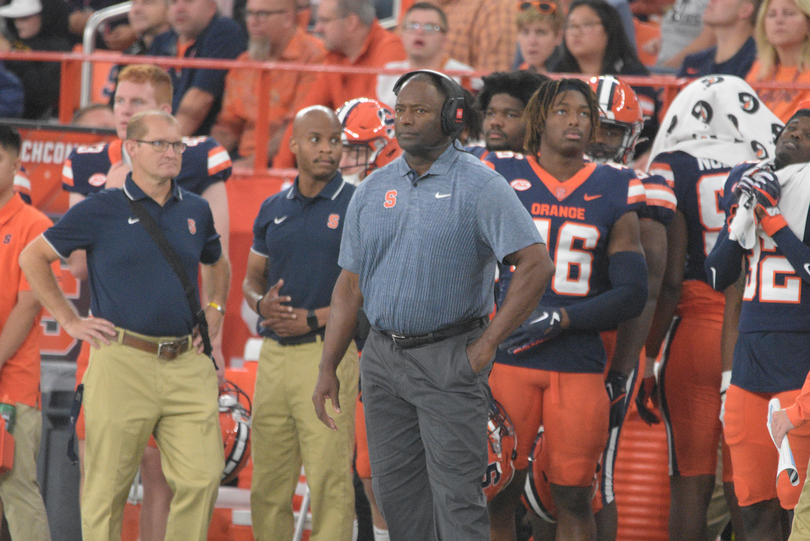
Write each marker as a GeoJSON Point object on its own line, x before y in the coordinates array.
{"type": "Point", "coordinates": [442, 195]}
{"type": "Point", "coordinates": [133, 220]}
{"type": "Point", "coordinates": [279, 219]}
{"type": "Point", "coordinates": [591, 197]}
{"type": "Point", "coordinates": [807, 268]}
{"type": "Point", "coordinates": [539, 319]}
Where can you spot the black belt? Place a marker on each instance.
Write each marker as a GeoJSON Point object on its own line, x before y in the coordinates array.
{"type": "Point", "coordinates": [406, 341]}
{"type": "Point", "coordinates": [298, 340]}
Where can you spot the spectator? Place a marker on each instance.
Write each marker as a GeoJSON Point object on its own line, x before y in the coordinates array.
{"type": "Point", "coordinates": [682, 33]}
{"type": "Point", "coordinates": [733, 24]}
{"type": "Point", "coordinates": [424, 37]}
{"type": "Point", "coordinates": [147, 18]}
{"type": "Point", "coordinates": [36, 26]}
{"type": "Point", "coordinates": [273, 35]}
{"type": "Point", "coordinates": [12, 97]}
{"type": "Point", "coordinates": [624, 11]}
{"type": "Point", "coordinates": [595, 44]}
{"type": "Point", "coordinates": [20, 333]}
{"type": "Point", "coordinates": [782, 34]}
{"type": "Point", "coordinates": [540, 32]}
{"type": "Point", "coordinates": [198, 31]}
{"type": "Point", "coordinates": [481, 32]}
{"type": "Point", "coordinates": [353, 38]}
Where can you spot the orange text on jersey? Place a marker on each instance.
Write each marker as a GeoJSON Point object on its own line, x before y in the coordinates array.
{"type": "Point", "coordinates": [542, 209]}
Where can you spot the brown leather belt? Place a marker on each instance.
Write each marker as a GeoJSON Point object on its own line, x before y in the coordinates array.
{"type": "Point", "coordinates": [166, 350]}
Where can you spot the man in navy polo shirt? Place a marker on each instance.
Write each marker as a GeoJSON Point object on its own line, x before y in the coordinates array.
{"type": "Point", "coordinates": [421, 240]}
{"type": "Point", "coordinates": [146, 375]}
{"type": "Point", "coordinates": [291, 271]}
{"type": "Point", "coordinates": [198, 31]}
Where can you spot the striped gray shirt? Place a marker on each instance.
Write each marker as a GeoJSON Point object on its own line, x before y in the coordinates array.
{"type": "Point", "coordinates": [425, 248]}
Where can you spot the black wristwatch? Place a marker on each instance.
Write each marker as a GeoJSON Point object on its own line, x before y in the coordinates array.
{"type": "Point", "coordinates": [312, 320]}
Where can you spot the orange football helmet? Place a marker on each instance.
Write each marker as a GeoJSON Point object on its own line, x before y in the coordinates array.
{"type": "Point", "coordinates": [234, 420]}
{"type": "Point", "coordinates": [368, 127]}
{"type": "Point", "coordinates": [501, 447]}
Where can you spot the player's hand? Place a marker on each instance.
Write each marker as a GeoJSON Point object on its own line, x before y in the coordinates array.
{"type": "Point", "coordinates": [91, 329]}
{"type": "Point", "coordinates": [544, 324]}
{"type": "Point", "coordinates": [780, 426]}
{"type": "Point", "coordinates": [327, 386]}
{"type": "Point", "coordinates": [646, 400]}
{"type": "Point", "coordinates": [616, 386]}
{"type": "Point", "coordinates": [479, 355]}
{"type": "Point", "coordinates": [763, 185]}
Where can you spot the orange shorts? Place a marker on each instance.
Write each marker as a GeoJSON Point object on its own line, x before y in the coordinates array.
{"type": "Point", "coordinates": [689, 380]}
{"type": "Point", "coordinates": [362, 465]}
{"type": "Point", "coordinates": [752, 450]}
{"type": "Point", "coordinates": [573, 409]}
{"type": "Point", "coordinates": [82, 361]}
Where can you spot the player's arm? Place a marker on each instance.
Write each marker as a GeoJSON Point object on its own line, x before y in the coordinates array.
{"type": "Point", "coordinates": [77, 261]}
{"type": "Point", "coordinates": [724, 264]}
{"type": "Point", "coordinates": [670, 292]}
{"type": "Point", "coordinates": [628, 278]}
{"type": "Point", "coordinates": [35, 262]}
{"type": "Point", "coordinates": [632, 334]}
{"type": "Point", "coordinates": [18, 324]}
{"type": "Point", "coordinates": [340, 330]}
{"type": "Point", "coordinates": [533, 270]}
{"type": "Point", "coordinates": [795, 251]}
{"type": "Point", "coordinates": [192, 110]}
{"type": "Point", "coordinates": [728, 336]}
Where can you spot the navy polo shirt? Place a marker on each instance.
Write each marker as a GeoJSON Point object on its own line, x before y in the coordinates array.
{"type": "Point", "coordinates": [702, 62]}
{"type": "Point", "coordinates": [131, 283]}
{"type": "Point", "coordinates": [300, 236]}
{"type": "Point", "coordinates": [222, 38]}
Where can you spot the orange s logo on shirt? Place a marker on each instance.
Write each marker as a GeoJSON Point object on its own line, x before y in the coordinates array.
{"type": "Point", "coordinates": [390, 199]}
{"type": "Point", "coordinates": [333, 221]}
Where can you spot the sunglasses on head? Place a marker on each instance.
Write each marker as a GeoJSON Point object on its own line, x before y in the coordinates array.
{"type": "Point", "coordinates": [542, 7]}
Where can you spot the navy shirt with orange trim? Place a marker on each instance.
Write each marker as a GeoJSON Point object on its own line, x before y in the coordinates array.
{"type": "Point", "coordinates": [300, 236]}
{"type": "Point", "coordinates": [131, 283]}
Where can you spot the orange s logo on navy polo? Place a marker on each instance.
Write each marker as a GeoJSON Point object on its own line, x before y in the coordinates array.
{"type": "Point", "coordinates": [192, 226]}
{"type": "Point", "coordinates": [333, 221]}
{"type": "Point", "coordinates": [390, 199]}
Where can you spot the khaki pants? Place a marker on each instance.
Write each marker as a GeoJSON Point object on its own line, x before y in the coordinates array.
{"type": "Point", "coordinates": [286, 432]}
{"type": "Point", "coordinates": [128, 395]}
{"type": "Point", "coordinates": [19, 490]}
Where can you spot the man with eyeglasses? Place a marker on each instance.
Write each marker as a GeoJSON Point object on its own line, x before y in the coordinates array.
{"type": "Point", "coordinates": [89, 169]}
{"type": "Point", "coordinates": [353, 38]}
{"type": "Point", "coordinates": [198, 31]}
{"type": "Point", "coordinates": [273, 35]}
{"type": "Point", "coordinates": [147, 374]}
{"type": "Point", "coordinates": [424, 37]}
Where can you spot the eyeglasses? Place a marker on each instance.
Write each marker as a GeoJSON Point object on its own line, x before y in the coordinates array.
{"type": "Point", "coordinates": [545, 8]}
{"type": "Point", "coordinates": [426, 28]}
{"type": "Point", "coordinates": [582, 27]}
{"type": "Point", "coordinates": [264, 14]}
{"type": "Point", "coordinates": [162, 146]}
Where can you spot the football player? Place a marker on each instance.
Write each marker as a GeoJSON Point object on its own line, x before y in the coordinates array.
{"type": "Point", "coordinates": [713, 124]}
{"type": "Point", "coordinates": [770, 199]}
{"type": "Point", "coordinates": [368, 138]}
{"type": "Point", "coordinates": [550, 371]}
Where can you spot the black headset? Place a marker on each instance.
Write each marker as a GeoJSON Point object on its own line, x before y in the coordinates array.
{"type": "Point", "coordinates": [453, 108]}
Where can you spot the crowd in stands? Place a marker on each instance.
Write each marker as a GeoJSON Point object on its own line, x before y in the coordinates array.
{"type": "Point", "coordinates": [500, 51]}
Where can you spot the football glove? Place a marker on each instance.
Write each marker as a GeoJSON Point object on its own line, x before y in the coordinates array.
{"type": "Point", "coordinates": [647, 392]}
{"type": "Point", "coordinates": [762, 185]}
{"type": "Point", "coordinates": [616, 386]}
{"type": "Point", "coordinates": [544, 324]}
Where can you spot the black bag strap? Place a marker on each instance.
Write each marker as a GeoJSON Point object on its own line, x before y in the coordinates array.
{"type": "Point", "coordinates": [173, 259]}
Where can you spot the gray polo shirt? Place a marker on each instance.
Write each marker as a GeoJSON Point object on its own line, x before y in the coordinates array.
{"type": "Point", "coordinates": [425, 248]}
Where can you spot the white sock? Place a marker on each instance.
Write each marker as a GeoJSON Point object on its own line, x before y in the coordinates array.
{"type": "Point", "coordinates": [380, 534]}
{"type": "Point", "coordinates": [355, 530]}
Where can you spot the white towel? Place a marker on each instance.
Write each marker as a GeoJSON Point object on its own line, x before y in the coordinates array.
{"type": "Point", "coordinates": [786, 461]}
